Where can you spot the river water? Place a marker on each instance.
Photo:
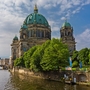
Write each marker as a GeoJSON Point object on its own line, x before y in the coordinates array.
{"type": "Point", "coordinates": [18, 82]}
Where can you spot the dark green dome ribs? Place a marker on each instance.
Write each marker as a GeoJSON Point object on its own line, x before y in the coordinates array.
{"type": "Point", "coordinates": [36, 18]}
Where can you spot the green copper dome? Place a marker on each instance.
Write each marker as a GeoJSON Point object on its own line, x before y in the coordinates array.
{"type": "Point", "coordinates": [36, 18]}
{"type": "Point", "coordinates": [15, 38]}
{"type": "Point", "coordinates": [66, 24]}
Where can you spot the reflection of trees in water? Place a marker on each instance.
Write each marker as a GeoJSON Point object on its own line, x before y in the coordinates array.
{"type": "Point", "coordinates": [19, 82]}
{"type": "Point", "coordinates": [75, 87]}
{"type": "Point", "coordinates": [30, 83]}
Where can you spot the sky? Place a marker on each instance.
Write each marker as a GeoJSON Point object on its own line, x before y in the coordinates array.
{"type": "Point", "coordinates": [14, 12]}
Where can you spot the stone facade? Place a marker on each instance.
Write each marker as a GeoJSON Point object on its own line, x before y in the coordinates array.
{"type": "Point", "coordinates": [67, 37]}
{"type": "Point", "coordinates": [34, 31]}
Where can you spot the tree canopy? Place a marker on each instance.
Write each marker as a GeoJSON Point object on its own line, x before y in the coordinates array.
{"type": "Point", "coordinates": [81, 56]}
{"type": "Point", "coordinates": [51, 55]}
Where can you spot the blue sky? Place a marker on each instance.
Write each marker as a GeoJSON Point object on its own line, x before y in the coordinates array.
{"type": "Point", "coordinates": [14, 12]}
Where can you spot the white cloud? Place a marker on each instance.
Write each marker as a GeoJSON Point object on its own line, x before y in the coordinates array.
{"type": "Point", "coordinates": [63, 18]}
{"type": "Point", "coordinates": [83, 40]}
{"type": "Point", "coordinates": [77, 10]}
{"type": "Point", "coordinates": [13, 13]}
{"type": "Point", "coordinates": [55, 25]}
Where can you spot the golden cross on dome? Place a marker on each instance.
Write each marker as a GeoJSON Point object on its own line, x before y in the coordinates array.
{"type": "Point", "coordinates": [35, 8]}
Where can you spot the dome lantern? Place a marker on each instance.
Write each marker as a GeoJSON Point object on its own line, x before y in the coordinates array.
{"type": "Point", "coordinates": [35, 9]}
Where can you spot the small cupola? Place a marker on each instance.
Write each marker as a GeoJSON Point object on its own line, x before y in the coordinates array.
{"type": "Point", "coordinates": [15, 39]}
{"type": "Point", "coordinates": [66, 24]}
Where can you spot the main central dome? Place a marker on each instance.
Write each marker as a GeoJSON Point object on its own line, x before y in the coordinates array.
{"type": "Point", "coordinates": [36, 18]}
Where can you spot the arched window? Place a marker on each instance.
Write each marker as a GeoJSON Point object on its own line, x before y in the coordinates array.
{"type": "Point", "coordinates": [24, 36]}
{"type": "Point", "coordinates": [40, 33]}
{"type": "Point", "coordinates": [32, 33]}
{"type": "Point", "coordinates": [69, 34]}
{"type": "Point", "coordinates": [62, 34]}
{"type": "Point", "coordinates": [14, 57]}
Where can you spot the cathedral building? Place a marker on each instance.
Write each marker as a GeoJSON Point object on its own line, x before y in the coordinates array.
{"type": "Point", "coordinates": [35, 31]}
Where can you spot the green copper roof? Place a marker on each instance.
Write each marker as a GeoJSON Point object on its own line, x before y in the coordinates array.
{"type": "Point", "coordinates": [36, 18]}
{"type": "Point", "coordinates": [24, 26]}
{"type": "Point", "coordinates": [66, 24]}
{"type": "Point", "coordinates": [15, 38]}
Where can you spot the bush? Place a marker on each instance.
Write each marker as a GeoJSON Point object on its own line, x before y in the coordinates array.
{"type": "Point", "coordinates": [74, 69]}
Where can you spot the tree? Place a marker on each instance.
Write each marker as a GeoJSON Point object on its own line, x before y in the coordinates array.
{"type": "Point", "coordinates": [35, 59]}
{"type": "Point", "coordinates": [27, 56]}
{"type": "Point", "coordinates": [37, 56]}
{"type": "Point", "coordinates": [55, 55]}
{"type": "Point", "coordinates": [75, 64]}
{"type": "Point", "coordinates": [89, 57]}
{"type": "Point", "coordinates": [19, 62]}
{"type": "Point", "coordinates": [49, 56]}
{"type": "Point", "coordinates": [83, 56]}
{"type": "Point", "coordinates": [75, 59]}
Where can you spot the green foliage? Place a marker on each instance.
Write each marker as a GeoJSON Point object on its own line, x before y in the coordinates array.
{"type": "Point", "coordinates": [89, 57]}
{"type": "Point", "coordinates": [74, 69]}
{"type": "Point", "coordinates": [83, 69]}
{"type": "Point", "coordinates": [27, 56]}
{"type": "Point", "coordinates": [51, 55]}
{"type": "Point", "coordinates": [75, 59]}
{"type": "Point", "coordinates": [75, 64]}
{"type": "Point", "coordinates": [83, 56]}
{"type": "Point", "coordinates": [55, 56]}
{"type": "Point", "coordinates": [36, 58]}
{"type": "Point", "coordinates": [63, 68]}
{"type": "Point", "coordinates": [75, 56]}
{"type": "Point", "coordinates": [19, 62]}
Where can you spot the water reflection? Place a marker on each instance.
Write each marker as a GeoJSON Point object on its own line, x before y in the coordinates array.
{"type": "Point", "coordinates": [4, 76]}
{"type": "Point", "coordinates": [19, 82]}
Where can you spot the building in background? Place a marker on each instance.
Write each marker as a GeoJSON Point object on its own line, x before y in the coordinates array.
{"type": "Point", "coordinates": [66, 34]}
{"type": "Point", "coordinates": [4, 63]}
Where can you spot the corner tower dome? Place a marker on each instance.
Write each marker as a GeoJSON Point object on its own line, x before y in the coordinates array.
{"type": "Point", "coordinates": [66, 24]}
{"type": "Point", "coordinates": [15, 38]}
{"type": "Point", "coordinates": [36, 18]}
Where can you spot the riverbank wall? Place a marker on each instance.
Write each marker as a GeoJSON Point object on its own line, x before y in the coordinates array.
{"type": "Point", "coordinates": [50, 75]}
{"type": "Point", "coordinates": [79, 77]}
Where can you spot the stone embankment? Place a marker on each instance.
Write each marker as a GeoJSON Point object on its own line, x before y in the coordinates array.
{"type": "Point", "coordinates": [52, 75]}
{"type": "Point", "coordinates": [55, 75]}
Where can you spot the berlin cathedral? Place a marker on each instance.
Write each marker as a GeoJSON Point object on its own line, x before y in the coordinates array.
{"type": "Point", "coordinates": [35, 31]}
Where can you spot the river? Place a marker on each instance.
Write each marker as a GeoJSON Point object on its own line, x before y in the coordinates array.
{"type": "Point", "coordinates": [18, 82]}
